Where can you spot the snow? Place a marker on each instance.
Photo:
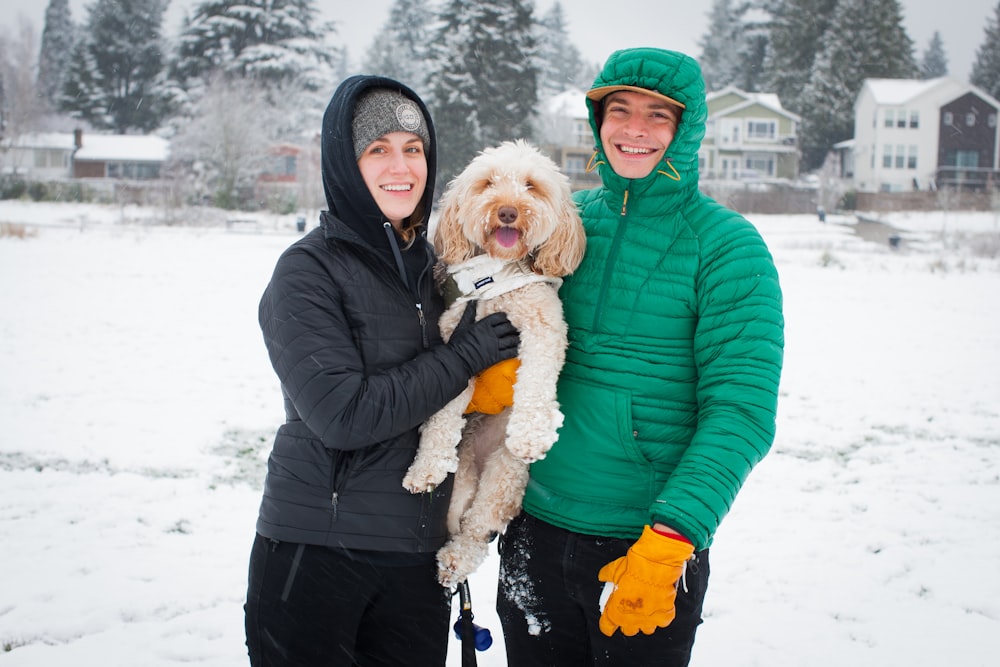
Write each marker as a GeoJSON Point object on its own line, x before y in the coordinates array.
{"type": "Point", "coordinates": [137, 407]}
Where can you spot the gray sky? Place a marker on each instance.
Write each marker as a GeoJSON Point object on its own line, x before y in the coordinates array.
{"type": "Point", "coordinates": [597, 30]}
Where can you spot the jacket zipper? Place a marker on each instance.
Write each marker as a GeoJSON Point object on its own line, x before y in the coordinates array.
{"type": "Point", "coordinates": [610, 263]}
{"type": "Point", "coordinates": [406, 285]}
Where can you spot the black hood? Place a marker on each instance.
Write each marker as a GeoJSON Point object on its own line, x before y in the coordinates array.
{"type": "Point", "coordinates": [347, 196]}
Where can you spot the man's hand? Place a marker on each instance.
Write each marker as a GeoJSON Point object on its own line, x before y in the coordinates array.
{"type": "Point", "coordinates": [643, 584]}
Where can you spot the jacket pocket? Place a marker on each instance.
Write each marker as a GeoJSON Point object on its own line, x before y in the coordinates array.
{"type": "Point", "coordinates": [596, 457]}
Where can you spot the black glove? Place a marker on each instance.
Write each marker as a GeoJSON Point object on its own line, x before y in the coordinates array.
{"type": "Point", "coordinates": [486, 342]}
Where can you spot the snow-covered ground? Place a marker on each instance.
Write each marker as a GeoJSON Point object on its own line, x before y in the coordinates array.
{"type": "Point", "coordinates": [137, 407]}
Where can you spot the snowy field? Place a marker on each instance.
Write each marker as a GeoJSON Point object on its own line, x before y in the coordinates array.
{"type": "Point", "coordinates": [137, 407]}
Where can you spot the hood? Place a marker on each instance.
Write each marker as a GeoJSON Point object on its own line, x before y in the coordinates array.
{"type": "Point", "coordinates": [670, 73]}
{"type": "Point", "coordinates": [347, 196]}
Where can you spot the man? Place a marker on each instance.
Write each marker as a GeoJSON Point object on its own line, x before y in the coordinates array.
{"type": "Point", "coordinates": [669, 390]}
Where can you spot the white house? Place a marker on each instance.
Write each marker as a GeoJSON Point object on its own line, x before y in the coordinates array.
{"type": "Point", "coordinates": [60, 156]}
{"type": "Point", "coordinates": [920, 135]}
{"type": "Point", "coordinates": [41, 156]}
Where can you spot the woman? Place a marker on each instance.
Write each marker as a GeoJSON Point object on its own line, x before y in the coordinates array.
{"type": "Point", "coordinates": [342, 570]}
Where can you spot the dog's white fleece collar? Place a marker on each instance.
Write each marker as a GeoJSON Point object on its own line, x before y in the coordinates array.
{"type": "Point", "coordinates": [484, 277]}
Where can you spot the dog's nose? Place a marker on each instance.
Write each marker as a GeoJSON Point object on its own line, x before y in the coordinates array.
{"type": "Point", "coordinates": [507, 215]}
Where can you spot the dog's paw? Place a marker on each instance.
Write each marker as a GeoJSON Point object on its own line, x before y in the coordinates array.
{"type": "Point", "coordinates": [531, 436]}
{"type": "Point", "coordinates": [459, 558]}
{"type": "Point", "coordinates": [426, 473]}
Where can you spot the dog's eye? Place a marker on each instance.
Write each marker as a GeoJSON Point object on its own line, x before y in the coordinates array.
{"type": "Point", "coordinates": [530, 185]}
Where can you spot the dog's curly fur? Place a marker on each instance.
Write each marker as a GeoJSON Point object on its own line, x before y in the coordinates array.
{"type": "Point", "coordinates": [512, 186]}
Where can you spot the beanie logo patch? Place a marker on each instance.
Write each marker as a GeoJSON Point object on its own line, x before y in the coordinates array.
{"type": "Point", "coordinates": [408, 116]}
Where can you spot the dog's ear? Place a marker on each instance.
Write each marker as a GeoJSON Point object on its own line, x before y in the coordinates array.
{"type": "Point", "coordinates": [563, 251]}
{"type": "Point", "coordinates": [449, 241]}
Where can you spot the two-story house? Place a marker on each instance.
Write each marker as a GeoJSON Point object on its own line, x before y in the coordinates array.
{"type": "Point", "coordinates": [564, 127]}
{"type": "Point", "coordinates": [922, 135]}
{"type": "Point", "coordinates": [748, 136]}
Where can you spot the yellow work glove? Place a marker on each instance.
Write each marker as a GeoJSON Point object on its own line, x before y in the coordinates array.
{"type": "Point", "coordinates": [494, 388]}
{"type": "Point", "coordinates": [644, 584]}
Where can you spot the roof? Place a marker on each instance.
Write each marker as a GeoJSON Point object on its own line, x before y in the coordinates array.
{"type": "Point", "coordinates": [571, 103]}
{"type": "Point", "coordinates": [769, 101]}
{"type": "Point", "coordinates": [901, 91]}
{"type": "Point", "coordinates": [123, 147]}
{"type": "Point", "coordinates": [47, 140]}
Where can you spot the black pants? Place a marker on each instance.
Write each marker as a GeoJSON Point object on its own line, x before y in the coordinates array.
{"type": "Point", "coordinates": [309, 606]}
{"type": "Point", "coordinates": [548, 602]}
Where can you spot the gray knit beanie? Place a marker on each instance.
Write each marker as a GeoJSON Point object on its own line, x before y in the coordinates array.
{"type": "Point", "coordinates": [380, 111]}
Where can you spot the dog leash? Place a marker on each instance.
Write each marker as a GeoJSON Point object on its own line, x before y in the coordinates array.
{"type": "Point", "coordinates": [474, 638]}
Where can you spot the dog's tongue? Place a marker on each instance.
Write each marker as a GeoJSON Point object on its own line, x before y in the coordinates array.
{"type": "Point", "coordinates": [507, 236]}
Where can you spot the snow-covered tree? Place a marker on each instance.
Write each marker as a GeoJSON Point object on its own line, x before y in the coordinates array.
{"type": "Point", "coordinates": [399, 49]}
{"type": "Point", "coordinates": [796, 33]}
{"type": "Point", "coordinates": [934, 62]}
{"type": "Point", "coordinates": [20, 107]}
{"type": "Point", "coordinates": [116, 81]}
{"type": "Point", "coordinates": [484, 85]}
{"type": "Point", "coordinates": [267, 40]}
{"type": "Point", "coordinates": [58, 38]}
{"type": "Point", "coordinates": [223, 146]}
{"type": "Point", "coordinates": [558, 61]}
{"type": "Point", "coordinates": [734, 45]}
{"type": "Point", "coordinates": [877, 47]}
{"type": "Point", "coordinates": [986, 68]}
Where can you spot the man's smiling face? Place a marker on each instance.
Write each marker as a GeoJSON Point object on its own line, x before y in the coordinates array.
{"type": "Point", "coordinates": [636, 130]}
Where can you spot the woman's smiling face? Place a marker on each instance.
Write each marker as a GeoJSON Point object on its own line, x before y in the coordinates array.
{"type": "Point", "coordinates": [394, 167]}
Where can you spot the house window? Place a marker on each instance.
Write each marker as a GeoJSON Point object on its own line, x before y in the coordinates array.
{"type": "Point", "coordinates": [581, 130]}
{"type": "Point", "coordinates": [760, 129]}
{"type": "Point", "coordinates": [970, 119]}
{"type": "Point", "coordinates": [890, 117]}
{"type": "Point", "coordinates": [575, 165]}
{"type": "Point", "coordinates": [967, 159]}
{"type": "Point", "coordinates": [901, 119]}
{"type": "Point", "coordinates": [887, 156]}
{"type": "Point", "coordinates": [900, 157]}
{"type": "Point", "coordinates": [760, 165]}
{"type": "Point", "coordinates": [283, 165]}
{"type": "Point", "coordinates": [914, 120]}
{"type": "Point", "coordinates": [991, 120]}
{"type": "Point", "coordinates": [911, 158]}
{"type": "Point", "coordinates": [947, 118]}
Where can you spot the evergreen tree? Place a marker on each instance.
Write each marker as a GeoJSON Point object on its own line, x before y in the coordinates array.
{"type": "Point", "coordinates": [559, 64]}
{"type": "Point", "coordinates": [734, 46]}
{"type": "Point", "coordinates": [117, 80]}
{"type": "Point", "coordinates": [878, 48]}
{"type": "Point", "coordinates": [58, 37]}
{"type": "Point", "coordinates": [400, 48]}
{"type": "Point", "coordinates": [934, 62]}
{"type": "Point", "coordinates": [484, 87]}
{"type": "Point", "coordinates": [268, 40]}
{"type": "Point", "coordinates": [796, 33]}
{"type": "Point", "coordinates": [986, 69]}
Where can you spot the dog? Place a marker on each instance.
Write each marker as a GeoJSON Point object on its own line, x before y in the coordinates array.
{"type": "Point", "coordinates": [507, 234]}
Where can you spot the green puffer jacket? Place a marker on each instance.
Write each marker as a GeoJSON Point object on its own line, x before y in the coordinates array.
{"type": "Point", "coordinates": [675, 342]}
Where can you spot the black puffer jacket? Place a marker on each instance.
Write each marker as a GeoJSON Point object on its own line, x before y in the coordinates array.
{"type": "Point", "coordinates": [356, 346]}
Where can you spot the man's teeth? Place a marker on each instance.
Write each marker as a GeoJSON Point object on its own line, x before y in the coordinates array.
{"type": "Point", "coordinates": [397, 188]}
{"type": "Point", "coordinates": [636, 151]}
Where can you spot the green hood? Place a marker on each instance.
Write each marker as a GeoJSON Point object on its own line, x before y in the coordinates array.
{"type": "Point", "coordinates": [673, 74]}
